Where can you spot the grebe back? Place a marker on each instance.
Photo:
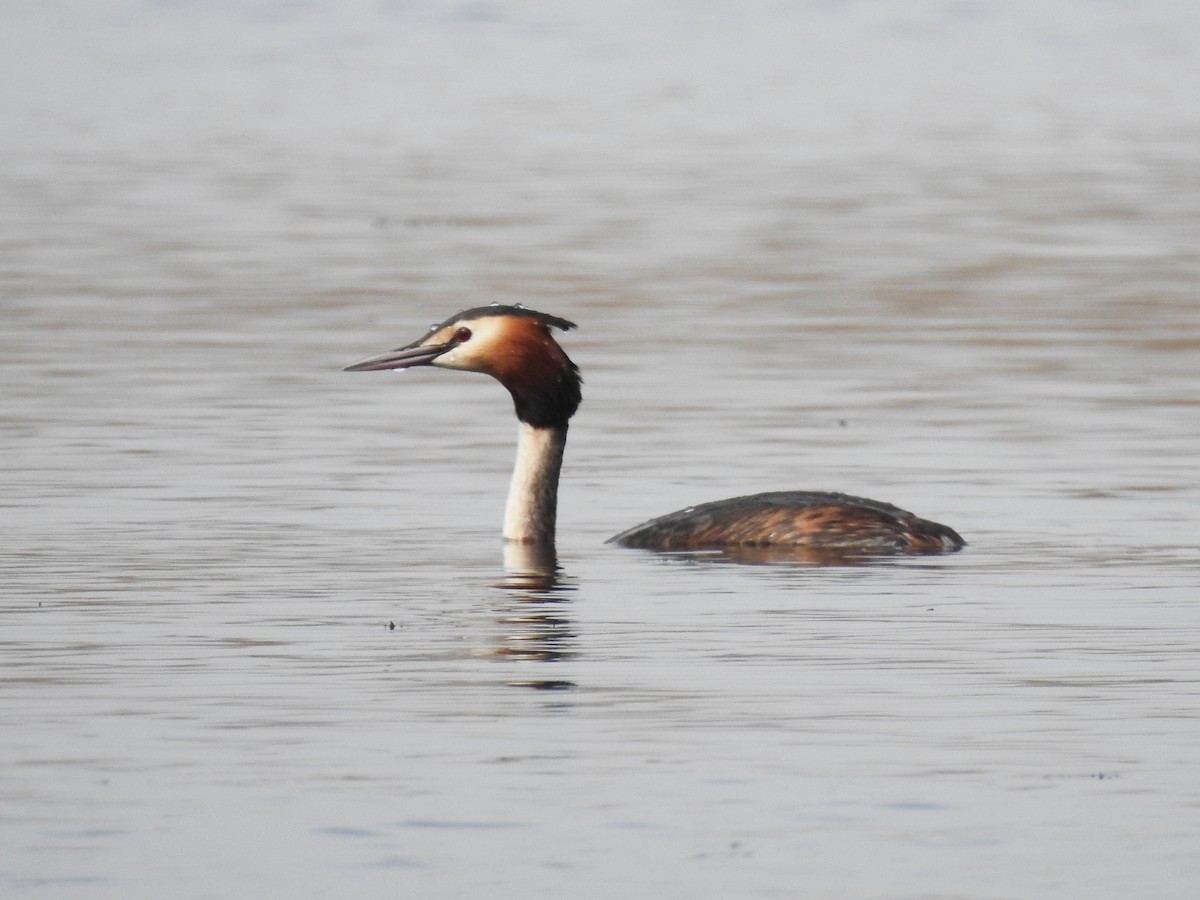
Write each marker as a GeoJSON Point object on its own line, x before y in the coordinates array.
{"type": "Point", "coordinates": [515, 346]}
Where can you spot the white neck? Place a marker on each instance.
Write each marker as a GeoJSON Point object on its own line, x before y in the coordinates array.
{"type": "Point", "coordinates": [533, 493]}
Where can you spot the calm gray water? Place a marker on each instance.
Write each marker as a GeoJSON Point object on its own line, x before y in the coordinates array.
{"type": "Point", "coordinates": [258, 634]}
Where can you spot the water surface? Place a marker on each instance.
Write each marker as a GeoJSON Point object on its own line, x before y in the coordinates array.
{"type": "Point", "coordinates": [258, 635]}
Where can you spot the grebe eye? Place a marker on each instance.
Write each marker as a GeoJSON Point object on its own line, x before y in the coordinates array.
{"type": "Point", "coordinates": [463, 334]}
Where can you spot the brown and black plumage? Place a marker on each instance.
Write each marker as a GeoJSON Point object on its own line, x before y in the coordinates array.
{"type": "Point", "coordinates": [821, 520]}
{"type": "Point", "coordinates": [516, 346]}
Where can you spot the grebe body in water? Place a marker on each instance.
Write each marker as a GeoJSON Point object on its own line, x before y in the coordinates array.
{"type": "Point", "coordinates": [515, 346]}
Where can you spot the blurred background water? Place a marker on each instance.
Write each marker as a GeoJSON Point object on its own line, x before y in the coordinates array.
{"type": "Point", "coordinates": [258, 637]}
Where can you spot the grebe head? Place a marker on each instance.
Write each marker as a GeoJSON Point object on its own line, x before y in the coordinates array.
{"type": "Point", "coordinates": [513, 345]}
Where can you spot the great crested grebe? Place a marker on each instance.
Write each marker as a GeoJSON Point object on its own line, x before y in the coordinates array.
{"type": "Point", "coordinates": [515, 346]}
